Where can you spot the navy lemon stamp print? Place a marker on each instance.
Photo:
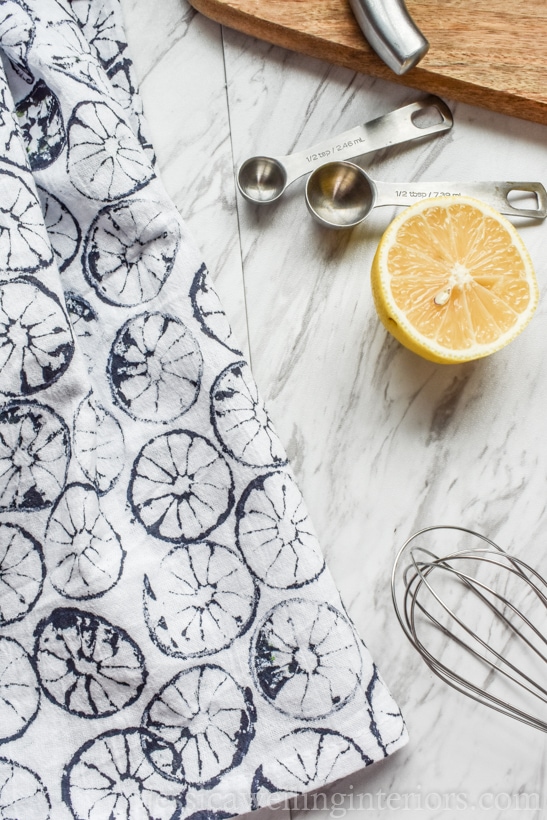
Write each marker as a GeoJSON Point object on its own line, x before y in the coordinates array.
{"type": "Point", "coordinates": [111, 776]}
{"type": "Point", "coordinates": [130, 250]}
{"type": "Point", "coordinates": [42, 126]}
{"type": "Point", "coordinates": [303, 760]}
{"type": "Point", "coordinates": [306, 659]}
{"type": "Point", "coordinates": [24, 244]}
{"type": "Point", "coordinates": [84, 552]}
{"type": "Point", "coordinates": [22, 572]}
{"type": "Point", "coordinates": [62, 229]}
{"type": "Point", "coordinates": [99, 444]}
{"type": "Point", "coordinates": [17, 32]}
{"type": "Point", "coordinates": [155, 368]}
{"type": "Point", "coordinates": [241, 421]}
{"type": "Point", "coordinates": [36, 344]}
{"type": "Point", "coordinates": [98, 23]}
{"type": "Point", "coordinates": [19, 690]}
{"type": "Point", "coordinates": [199, 600]}
{"type": "Point", "coordinates": [275, 534]}
{"type": "Point", "coordinates": [209, 311]}
{"type": "Point", "coordinates": [11, 142]}
{"type": "Point", "coordinates": [22, 793]}
{"type": "Point", "coordinates": [207, 718]}
{"type": "Point", "coordinates": [86, 665]}
{"type": "Point", "coordinates": [181, 487]}
{"type": "Point", "coordinates": [69, 55]}
{"type": "Point", "coordinates": [386, 732]}
{"type": "Point", "coordinates": [34, 455]}
{"type": "Point", "coordinates": [105, 160]}
{"type": "Point", "coordinates": [84, 321]}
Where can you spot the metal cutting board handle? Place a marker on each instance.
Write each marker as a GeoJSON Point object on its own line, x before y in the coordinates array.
{"type": "Point", "coordinates": [391, 32]}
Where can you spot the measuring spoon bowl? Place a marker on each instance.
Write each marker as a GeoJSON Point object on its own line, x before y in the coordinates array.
{"type": "Point", "coordinates": [264, 179]}
{"type": "Point", "coordinates": [342, 195]}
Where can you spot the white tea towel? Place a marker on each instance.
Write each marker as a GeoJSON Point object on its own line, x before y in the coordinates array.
{"type": "Point", "coordinates": [170, 639]}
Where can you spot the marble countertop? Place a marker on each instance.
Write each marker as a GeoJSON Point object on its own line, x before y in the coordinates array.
{"type": "Point", "coordinates": [382, 442]}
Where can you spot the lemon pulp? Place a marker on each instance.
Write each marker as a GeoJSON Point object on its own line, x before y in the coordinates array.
{"type": "Point", "coordinates": [452, 279]}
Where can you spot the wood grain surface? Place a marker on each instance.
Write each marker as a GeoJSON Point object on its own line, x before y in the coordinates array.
{"type": "Point", "coordinates": [490, 53]}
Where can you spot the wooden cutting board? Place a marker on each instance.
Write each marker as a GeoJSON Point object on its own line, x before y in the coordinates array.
{"type": "Point", "coordinates": [491, 53]}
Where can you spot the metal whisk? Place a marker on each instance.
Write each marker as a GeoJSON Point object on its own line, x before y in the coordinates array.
{"type": "Point", "coordinates": [478, 617]}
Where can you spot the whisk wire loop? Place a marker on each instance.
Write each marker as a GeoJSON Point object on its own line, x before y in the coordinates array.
{"type": "Point", "coordinates": [475, 585]}
{"type": "Point", "coordinates": [432, 660]}
{"type": "Point", "coordinates": [421, 597]}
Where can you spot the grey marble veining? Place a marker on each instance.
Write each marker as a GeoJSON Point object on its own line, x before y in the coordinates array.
{"type": "Point", "coordinates": [382, 442]}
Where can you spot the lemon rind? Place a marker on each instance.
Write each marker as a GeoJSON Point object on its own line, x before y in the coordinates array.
{"type": "Point", "coordinates": [394, 320]}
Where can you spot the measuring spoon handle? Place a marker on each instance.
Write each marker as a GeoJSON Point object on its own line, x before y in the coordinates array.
{"type": "Point", "coordinates": [493, 193]}
{"type": "Point", "coordinates": [401, 125]}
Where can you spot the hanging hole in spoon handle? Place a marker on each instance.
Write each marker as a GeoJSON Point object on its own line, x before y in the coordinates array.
{"type": "Point", "coordinates": [534, 206]}
{"type": "Point", "coordinates": [432, 115]}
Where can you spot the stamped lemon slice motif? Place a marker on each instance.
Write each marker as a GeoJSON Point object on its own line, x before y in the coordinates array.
{"type": "Point", "coordinates": [452, 280]}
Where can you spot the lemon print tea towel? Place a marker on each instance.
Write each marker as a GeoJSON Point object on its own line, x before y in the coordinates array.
{"type": "Point", "coordinates": [171, 642]}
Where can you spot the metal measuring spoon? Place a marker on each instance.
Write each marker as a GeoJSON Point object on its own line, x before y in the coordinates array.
{"type": "Point", "coordinates": [264, 179]}
{"type": "Point", "coordinates": [341, 194]}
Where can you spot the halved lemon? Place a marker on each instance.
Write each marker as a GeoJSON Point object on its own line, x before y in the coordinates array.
{"type": "Point", "coordinates": [452, 280]}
